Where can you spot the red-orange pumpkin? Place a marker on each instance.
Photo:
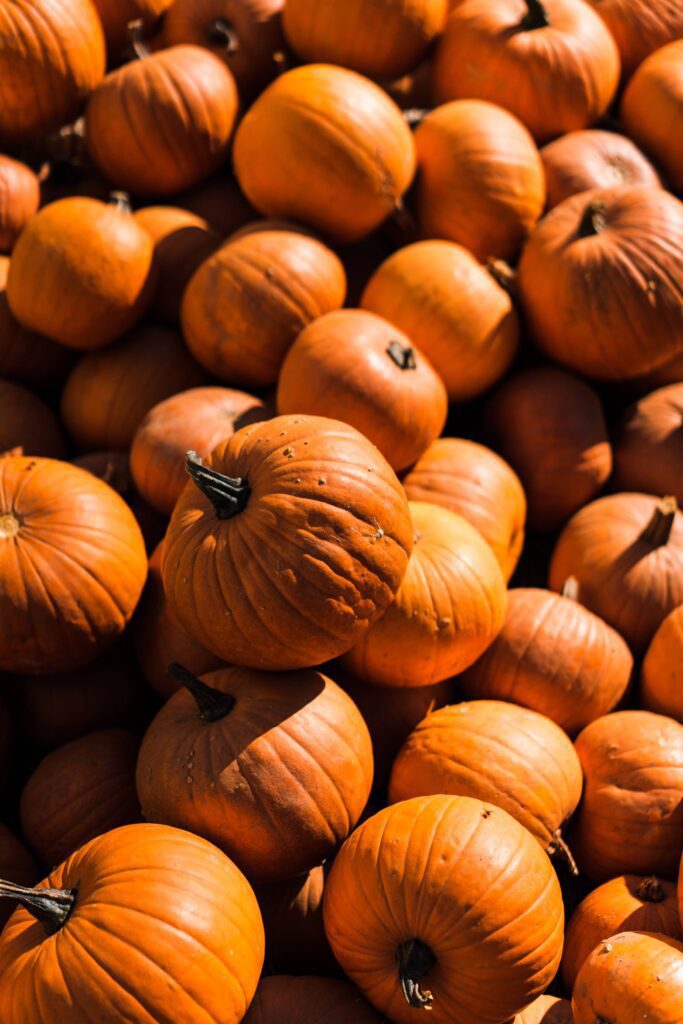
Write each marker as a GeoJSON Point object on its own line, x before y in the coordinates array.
{"type": "Point", "coordinates": [116, 16]}
{"type": "Point", "coordinates": [19, 200]}
{"type": "Point", "coordinates": [27, 422]}
{"type": "Point", "coordinates": [651, 110]}
{"type": "Point", "coordinates": [546, 1010]}
{"type": "Point", "coordinates": [309, 1000]}
{"type": "Point", "coordinates": [648, 451]}
{"type": "Point", "coordinates": [640, 27]}
{"type": "Point", "coordinates": [25, 357]}
{"type": "Point", "coordinates": [16, 865]}
{"type": "Point", "coordinates": [661, 679]}
{"type": "Point", "coordinates": [292, 914]}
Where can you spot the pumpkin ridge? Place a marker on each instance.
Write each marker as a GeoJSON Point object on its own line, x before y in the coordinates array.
{"type": "Point", "coordinates": [298, 742]}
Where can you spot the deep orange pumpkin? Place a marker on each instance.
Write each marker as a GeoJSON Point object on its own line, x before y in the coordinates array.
{"type": "Point", "coordinates": [648, 452]}
{"type": "Point", "coordinates": [292, 914]}
{"type": "Point", "coordinates": [16, 865]}
{"type": "Point", "coordinates": [661, 679]}
{"type": "Point", "coordinates": [651, 110]}
{"type": "Point", "coordinates": [588, 159]}
{"type": "Point", "coordinates": [19, 200]}
{"type": "Point", "coordinates": [546, 1010]}
{"type": "Point", "coordinates": [640, 27]}
{"type": "Point", "coordinates": [309, 1000]}
{"type": "Point", "coordinates": [116, 16]}
{"type": "Point", "coordinates": [27, 422]}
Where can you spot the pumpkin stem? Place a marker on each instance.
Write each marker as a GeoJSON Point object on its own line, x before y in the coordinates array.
{"type": "Point", "coordinates": [120, 201]}
{"type": "Point", "coordinates": [658, 530]}
{"type": "Point", "coordinates": [220, 31]}
{"type": "Point", "coordinates": [52, 907]}
{"type": "Point", "coordinates": [136, 38]}
{"type": "Point", "coordinates": [571, 588]}
{"type": "Point", "coordinates": [213, 704]}
{"type": "Point", "coordinates": [415, 959]}
{"type": "Point", "coordinates": [402, 355]}
{"type": "Point", "coordinates": [536, 16]}
{"type": "Point", "coordinates": [650, 890]}
{"type": "Point", "coordinates": [594, 220]}
{"type": "Point", "coordinates": [229, 495]}
{"type": "Point", "coordinates": [504, 276]}
{"type": "Point", "coordinates": [414, 116]}
{"type": "Point", "coordinates": [558, 848]}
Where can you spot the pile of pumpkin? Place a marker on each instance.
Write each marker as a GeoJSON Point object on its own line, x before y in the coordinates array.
{"type": "Point", "coordinates": [348, 747]}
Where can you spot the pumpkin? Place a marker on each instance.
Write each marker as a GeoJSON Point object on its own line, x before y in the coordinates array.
{"type": "Point", "coordinates": [220, 202]}
{"type": "Point", "coordinates": [555, 657]}
{"type": "Point", "coordinates": [628, 902]}
{"type": "Point", "coordinates": [79, 791]}
{"type": "Point", "coordinates": [196, 419]}
{"type": "Point", "coordinates": [246, 304]}
{"type": "Point", "coordinates": [116, 16]}
{"type": "Point", "coordinates": [448, 609]}
{"type": "Point", "coordinates": [639, 27]}
{"type": "Point", "coordinates": [245, 34]}
{"type": "Point", "coordinates": [72, 567]}
{"type": "Point", "coordinates": [357, 367]}
{"type": "Point", "coordinates": [292, 914]}
{"type": "Point", "coordinates": [546, 1010]}
{"type": "Point", "coordinates": [634, 976]}
{"type": "Point", "coordinates": [27, 422]}
{"type": "Point", "coordinates": [382, 40]}
{"type": "Point", "coordinates": [534, 775]}
{"type": "Point", "coordinates": [182, 241]}
{"type": "Point", "coordinates": [588, 159]}
{"type": "Point", "coordinates": [661, 679]}
{"type": "Point", "coordinates": [551, 63]}
{"type": "Point", "coordinates": [16, 865]}
{"type": "Point", "coordinates": [648, 451]}
{"type": "Point", "coordinates": [478, 485]}
{"type": "Point", "coordinates": [160, 124]}
{"type": "Point", "coordinates": [50, 59]}
{"type": "Point", "coordinates": [172, 925]}
{"type": "Point", "coordinates": [161, 640]}
{"type": "Point", "coordinates": [25, 357]}
{"type": "Point", "coordinates": [631, 815]}
{"type": "Point", "coordinates": [81, 273]}
{"type": "Point", "coordinates": [550, 427]}
{"type": "Point", "coordinates": [309, 1000]}
{"type": "Point", "coordinates": [626, 552]}
{"type": "Point", "coordinates": [325, 146]}
{"type": "Point", "coordinates": [108, 393]}
{"type": "Point", "coordinates": [655, 94]}
{"type": "Point", "coordinates": [480, 180]}
{"type": "Point", "coordinates": [599, 282]}
{"type": "Point", "coordinates": [19, 200]}
{"type": "Point", "coordinates": [316, 514]}
{"type": "Point", "coordinates": [398, 916]}
{"type": "Point", "coordinates": [275, 770]}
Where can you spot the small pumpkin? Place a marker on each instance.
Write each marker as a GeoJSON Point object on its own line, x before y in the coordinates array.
{"type": "Point", "coordinates": [639, 27]}
{"type": "Point", "coordinates": [116, 16]}
{"type": "Point", "coordinates": [661, 678]}
{"type": "Point", "coordinates": [245, 305]}
{"type": "Point", "coordinates": [25, 357]}
{"type": "Point", "coordinates": [651, 110]}
{"type": "Point", "coordinates": [583, 160]}
{"type": "Point", "coordinates": [292, 914]}
{"type": "Point", "coordinates": [28, 423]}
{"type": "Point", "coordinates": [648, 451]}
{"type": "Point", "coordinates": [19, 200]}
{"type": "Point", "coordinates": [16, 865]}
{"type": "Point", "coordinates": [631, 816]}
{"type": "Point", "coordinates": [326, 147]}
{"type": "Point", "coordinates": [398, 917]}
{"type": "Point", "coordinates": [546, 1010]}
{"type": "Point", "coordinates": [309, 1000]}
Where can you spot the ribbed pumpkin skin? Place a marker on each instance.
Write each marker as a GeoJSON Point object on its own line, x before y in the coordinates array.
{"type": "Point", "coordinates": [72, 568]}
{"type": "Point", "coordinates": [357, 367]}
{"type": "Point", "coordinates": [555, 657]}
{"type": "Point", "coordinates": [629, 902]}
{"type": "Point", "coordinates": [161, 124]}
{"type": "Point", "coordinates": [16, 865]}
{"type": "Point", "coordinates": [635, 976]}
{"type": "Point", "coordinates": [309, 1000]}
{"type": "Point", "coordinates": [630, 582]}
{"type": "Point", "coordinates": [278, 783]}
{"type": "Point", "coordinates": [81, 273]}
{"type": "Point", "coordinates": [648, 452]}
{"type": "Point", "coordinates": [79, 791]}
{"type": "Point", "coordinates": [172, 924]}
{"type": "Point", "coordinates": [19, 200]}
{"type": "Point", "coordinates": [382, 40]}
{"type": "Point", "coordinates": [608, 304]}
{"type": "Point", "coordinates": [480, 178]}
{"type": "Point", "coordinates": [534, 774]}
{"type": "Point", "coordinates": [588, 159]}
{"type": "Point", "coordinates": [640, 27]}
{"type": "Point", "coordinates": [326, 536]}
{"type": "Point", "coordinates": [555, 78]}
{"type": "Point", "coordinates": [326, 147]}
{"type": "Point", "coordinates": [292, 914]}
{"type": "Point", "coordinates": [27, 422]}
{"type": "Point", "coordinates": [661, 678]}
{"type": "Point", "coordinates": [116, 15]}
{"type": "Point", "coordinates": [394, 880]}
{"type": "Point", "coordinates": [631, 815]}
{"type": "Point", "coordinates": [477, 484]}
{"type": "Point", "coordinates": [50, 59]}
{"type": "Point", "coordinates": [453, 309]}
{"type": "Point", "coordinates": [247, 303]}
{"type": "Point", "coordinates": [24, 357]}
{"type": "Point", "coordinates": [546, 1010]}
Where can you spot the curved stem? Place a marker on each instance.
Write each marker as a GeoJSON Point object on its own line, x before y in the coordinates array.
{"type": "Point", "coordinates": [213, 704]}
{"type": "Point", "coordinates": [571, 588]}
{"type": "Point", "coordinates": [536, 16]}
{"type": "Point", "coordinates": [121, 201]}
{"type": "Point", "coordinates": [414, 116]}
{"type": "Point", "coordinates": [415, 959]}
{"type": "Point", "coordinates": [658, 530]}
{"type": "Point", "coordinates": [402, 355]}
{"type": "Point", "coordinates": [52, 907]}
{"type": "Point", "coordinates": [650, 890]}
{"type": "Point", "coordinates": [594, 220]}
{"type": "Point", "coordinates": [504, 276]}
{"type": "Point", "coordinates": [558, 848]}
{"type": "Point", "coordinates": [136, 38]}
{"type": "Point", "coordinates": [220, 31]}
{"type": "Point", "coordinates": [228, 495]}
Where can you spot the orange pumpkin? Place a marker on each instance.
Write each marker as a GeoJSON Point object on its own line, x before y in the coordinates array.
{"type": "Point", "coordinates": [478, 485]}
{"type": "Point", "coordinates": [357, 367]}
{"type": "Point", "coordinates": [648, 453]}
{"type": "Point", "coordinates": [19, 200]}
{"type": "Point", "coordinates": [309, 1000]}
{"type": "Point", "coordinates": [583, 160]}
{"type": "Point", "coordinates": [116, 16]}
{"type": "Point", "coordinates": [480, 180]}
{"type": "Point", "coordinates": [455, 311]}
{"type": "Point", "coordinates": [661, 678]}
{"type": "Point", "coordinates": [552, 63]}
{"type": "Point", "coordinates": [546, 1010]}
{"type": "Point", "coordinates": [25, 357]}
{"type": "Point", "coordinates": [246, 304]}
{"type": "Point", "coordinates": [292, 914]}
{"type": "Point", "coordinates": [27, 422]}
{"type": "Point", "coordinates": [327, 147]}
{"type": "Point", "coordinates": [16, 865]}
{"type": "Point", "coordinates": [640, 27]}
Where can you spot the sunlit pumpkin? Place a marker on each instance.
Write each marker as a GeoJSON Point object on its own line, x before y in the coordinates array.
{"type": "Point", "coordinates": [661, 678]}
{"type": "Point", "coordinates": [652, 106]}
{"type": "Point", "coordinates": [588, 159]}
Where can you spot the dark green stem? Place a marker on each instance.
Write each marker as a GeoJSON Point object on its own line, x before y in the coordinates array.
{"type": "Point", "coordinates": [52, 907]}
{"type": "Point", "coordinates": [213, 704]}
{"type": "Point", "coordinates": [402, 355]}
{"type": "Point", "coordinates": [536, 16]}
{"type": "Point", "coordinates": [228, 495]}
{"type": "Point", "coordinates": [415, 959]}
{"type": "Point", "coordinates": [223, 33]}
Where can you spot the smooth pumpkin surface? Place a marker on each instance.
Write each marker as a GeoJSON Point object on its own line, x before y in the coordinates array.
{"type": "Point", "coordinates": [546, 1010]}
{"type": "Point", "coordinates": [16, 865]}
{"type": "Point", "coordinates": [292, 914]}
{"type": "Point", "coordinates": [27, 422]}
{"type": "Point", "coordinates": [116, 16]}
{"type": "Point", "coordinates": [19, 200]}
{"type": "Point", "coordinates": [640, 27]}
{"type": "Point", "coordinates": [651, 110]}
{"type": "Point", "coordinates": [587, 159]}
{"type": "Point", "coordinates": [648, 451]}
{"type": "Point", "coordinates": [394, 881]}
{"type": "Point", "coordinates": [661, 677]}
{"type": "Point", "coordinates": [309, 1000]}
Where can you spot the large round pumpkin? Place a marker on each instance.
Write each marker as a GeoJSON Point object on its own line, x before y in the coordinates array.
{"type": "Point", "coordinates": [640, 27]}
{"type": "Point", "coordinates": [546, 1010]}
{"type": "Point", "coordinates": [452, 308]}
{"type": "Point", "coordinates": [309, 1000]}
{"type": "Point", "coordinates": [116, 16]}
{"type": "Point", "coordinates": [631, 815]}
{"type": "Point", "coordinates": [600, 282]}
{"type": "Point", "coordinates": [16, 865]}
{"type": "Point", "coordinates": [19, 200]}
{"type": "Point", "coordinates": [327, 147]}
{"type": "Point", "coordinates": [275, 770]}
{"type": "Point", "coordinates": [399, 913]}
{"type": "Point", "coordinates": [661, 679]}
{"type": "Point", "coordinates": [288, 544]}
{"type": "Point", "coordinates": [648, 451]}
{"type": "Point", "coordinates": [26, 357]}
{"type": "Point", "coordinates": [81, 273]}
{"type": "Point", "coordinates": [246, 304]}
{"type": "Point", "coordinates": [72, 566]}
{"type": "Point", "coordinates": [292, 913]}
{"type": "Point", "coordinates": [28, 423]}
{"type": "Point", "coordinates": [172, 925]}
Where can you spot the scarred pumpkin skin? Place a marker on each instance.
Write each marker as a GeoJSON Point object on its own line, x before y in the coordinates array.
{"type": "Point", "coordinates": [309, 1000]}
{"type": "Point", "coordinates": [16, 865]}
{"type": "Point", "coordinates": [172, 924]}
{"type": "Point", "coordinates": [292, 914]}
{"type": "Point", "coordinates": [546, 1010]}
{"type": "Point", "coordinates": [19, 200]}
{"type": "Point", "coordinates": [631, 815]}
{"type": "Point", "coordinates": [116, 15]}
{"type": "Point", "coordinates": [648, 452]}
{"type": "Point", "coordinates": [640, 27]}
{"type": "Point", "coordinates": [326, 147]}
{"type": "Point", "coordinates": [394, 881]}
{"type": "Point", "coordinates": [27, 358]}
{"type": "Point", "coordinates": [588, 159]}
{"type": "Point", "coordinates": [277, 782]}
{"type": "Point", "coordinates": [661, 678]}
{"type": "Point", "coordinates": [325, 535]}
{"type": "Point", "coordinates": [644, 904]}
{"type": "Point", "coordinates": [72, 568]}
{"type": "Point", "coordinates": [553, 656]}
{"type": "Point", "coordinates": [634, 976]}
{"type": "Point", "coordinates": [477, 484]}
{"type": "Point", "coordinates": [27, 422]}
